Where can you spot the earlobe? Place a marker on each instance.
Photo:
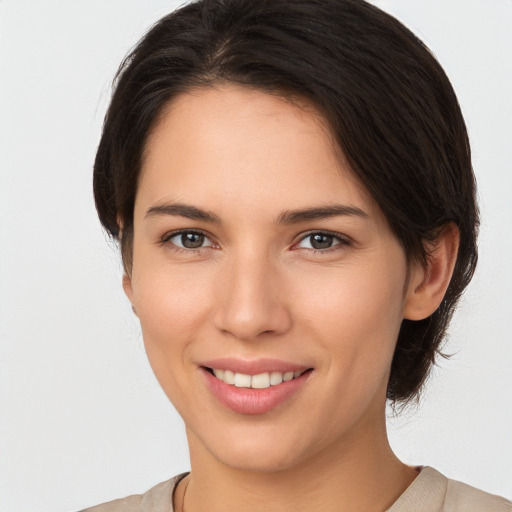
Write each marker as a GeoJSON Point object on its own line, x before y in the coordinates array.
{"type": "Point", "coordinates": [428, 284]}
{"type": "Point", "coordinates": [128, 290]}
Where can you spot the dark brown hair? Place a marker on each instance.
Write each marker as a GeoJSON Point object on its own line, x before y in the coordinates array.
{"type": "Point", "coordinates": [390, 106]}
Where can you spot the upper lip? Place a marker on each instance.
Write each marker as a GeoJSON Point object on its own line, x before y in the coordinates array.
{"type": "Point", "coordinates": [253, 366]}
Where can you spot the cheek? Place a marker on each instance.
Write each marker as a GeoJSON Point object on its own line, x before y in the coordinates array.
{"type": "Point", "coordinates": [168, 296]}
{"type": "Point", "coordinates": [355, 315]}
{"type": "Point", "coordinates": [355, 324]}
{"type": "Point", "coordinates": [172, 305]}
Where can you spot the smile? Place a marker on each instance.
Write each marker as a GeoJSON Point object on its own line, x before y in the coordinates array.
{"type": "Point", "coordinates": [261, 381]}
{"type": "Point", "coordinates": [252, 390]}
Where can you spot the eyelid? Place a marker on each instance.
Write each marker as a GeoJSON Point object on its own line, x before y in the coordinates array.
{"type": "Point", "coordinates": [166, 239]}
{"type": "Point", "coordinates": [342, 240]}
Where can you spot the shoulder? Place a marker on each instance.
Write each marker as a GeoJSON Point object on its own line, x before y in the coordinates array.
{"type": "Point", "coordinates": [462, 497]}
{"type": "Point", "coordinates": [433, 492]}
{"type": "Point", "coordinates": [156, 499]}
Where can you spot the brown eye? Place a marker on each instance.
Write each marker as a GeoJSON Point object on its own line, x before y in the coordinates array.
{"type": "Point", "coordinates": [189, 240]}
{"type": "Point", "coordinates": [192, 240]}
{"type": "Point", "coordinates": [320, 241]}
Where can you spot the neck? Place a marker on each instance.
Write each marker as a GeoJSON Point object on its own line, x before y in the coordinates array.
{"type": "Point", "coordinates": [360, 473]}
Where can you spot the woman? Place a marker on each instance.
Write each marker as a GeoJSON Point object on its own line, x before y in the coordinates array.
{"type": "Point", "coordinates": [291, 186]}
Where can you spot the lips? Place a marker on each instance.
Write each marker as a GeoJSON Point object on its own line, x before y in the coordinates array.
{"type": "Point", "coordinates": [254, 387]}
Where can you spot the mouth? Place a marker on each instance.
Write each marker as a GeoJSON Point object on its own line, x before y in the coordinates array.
{"type": "Point", "coordinates": [257, 392]}
{"type": "Point", "coordinates": [260, 381]}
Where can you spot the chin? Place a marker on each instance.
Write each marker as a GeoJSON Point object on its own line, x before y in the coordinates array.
{"type": "Point", "coordinates": [257, 449]}
{"type": "Point", "coordinates": [257, 460]}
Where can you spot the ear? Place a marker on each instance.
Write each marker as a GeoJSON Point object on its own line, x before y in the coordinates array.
{"type": "Point", "coordinates": [128, 289]}
{"type": "Point", "coordinates": [428, 283]}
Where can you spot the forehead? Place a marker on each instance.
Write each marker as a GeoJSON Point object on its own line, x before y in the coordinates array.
{"type": "Point", "coordinates": [235, 142]}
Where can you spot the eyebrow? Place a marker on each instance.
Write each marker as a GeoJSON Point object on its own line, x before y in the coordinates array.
{"type": "Point", "coordinates": [183, 210]}
{"type": "Point", "coordinates": [287, 217]}
{"type": "Point", "coordinates": [322, 212]}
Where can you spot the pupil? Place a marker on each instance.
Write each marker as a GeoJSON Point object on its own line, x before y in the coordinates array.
{"type": "Point", "coordinates": [321, 241]}
{"type": "Point", "coordinates": [192, 240]}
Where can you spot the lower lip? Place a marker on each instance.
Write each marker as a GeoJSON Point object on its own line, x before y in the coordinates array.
{"type": "Point", "coordinates": [253, 401]}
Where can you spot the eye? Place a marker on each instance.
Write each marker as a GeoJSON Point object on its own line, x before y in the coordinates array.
{"type": "Point", "coordinates": [188, 240]}
{"type": "Point", "coordinates": [320, 241]}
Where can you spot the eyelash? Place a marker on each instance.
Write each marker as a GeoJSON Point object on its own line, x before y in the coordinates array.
{"type": "Point", "coordinates": [341, 241]}
{"type": "Point", "coordinates": [166, 240]}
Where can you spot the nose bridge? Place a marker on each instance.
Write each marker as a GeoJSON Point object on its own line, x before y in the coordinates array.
{"type": "Point", "coordinates": [250, 302]}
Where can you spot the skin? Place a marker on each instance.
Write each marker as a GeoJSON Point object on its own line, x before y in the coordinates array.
{"type": "Point", "coordinates": [257, 288]}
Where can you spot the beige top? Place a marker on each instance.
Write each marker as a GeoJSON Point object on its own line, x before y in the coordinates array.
{"type": "Point", "coordinates": [430, 492]}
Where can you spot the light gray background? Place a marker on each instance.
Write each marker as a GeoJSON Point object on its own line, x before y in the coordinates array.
{"type": "Point", "coordinates": [82, 419]}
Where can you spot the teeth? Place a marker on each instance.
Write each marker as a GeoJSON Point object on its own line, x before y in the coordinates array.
{"type": "Point", "coordinates": [276, 378]}
{"type": "Point", "coordinates": [242, 380]}
{"type": "Point", "coordinates": [229, 377]}
{"type": "Point", "coordinates": [260, 381]}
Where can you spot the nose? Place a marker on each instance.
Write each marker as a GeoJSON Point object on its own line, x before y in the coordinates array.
{"type": "Point", "coordinates": [252, 300]}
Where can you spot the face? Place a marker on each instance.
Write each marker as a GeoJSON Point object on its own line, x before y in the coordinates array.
{"type": "Point", "coordinates": [268, 285]}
